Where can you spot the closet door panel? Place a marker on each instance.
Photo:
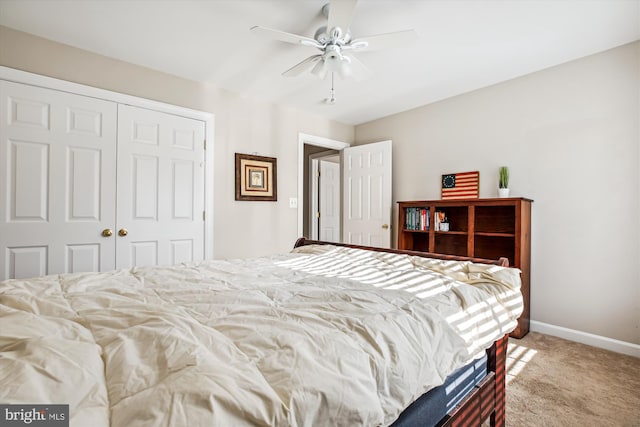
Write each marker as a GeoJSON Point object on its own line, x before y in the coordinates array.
{"type": "Point", "coordinates": [26, 261]}
{"type": "Point", "coordinates": [144, 187]}
{"type": "Point", "coordinates": [160, 188]}
{"type": "Point", "coordinates": [57, 164]}
{"type": "Point", "coordinates": [28, 179]}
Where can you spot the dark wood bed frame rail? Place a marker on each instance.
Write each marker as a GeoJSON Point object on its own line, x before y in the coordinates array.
{"type": "Point", "coordinates": [488, 399]}
{"type": "Point", "coordinates": [502, 261]}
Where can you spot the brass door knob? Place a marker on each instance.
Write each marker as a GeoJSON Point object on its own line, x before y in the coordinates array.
{"type": "Point", "coordinates": [122, 232]}
{"type": "Point", "coordinates": [385, 226]}
{"type": "Point", "coordinates": [107, 232]}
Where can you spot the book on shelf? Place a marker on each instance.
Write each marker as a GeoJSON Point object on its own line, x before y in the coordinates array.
{"type": "Point", "coordinates": [417, 219]}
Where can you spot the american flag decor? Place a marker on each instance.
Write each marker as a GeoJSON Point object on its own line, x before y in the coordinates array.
{"type": "Point", "coordinates": [460, 185]}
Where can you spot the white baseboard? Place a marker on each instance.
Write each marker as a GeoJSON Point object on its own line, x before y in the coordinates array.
{"type": "Point", "coordinates": [586, 338]}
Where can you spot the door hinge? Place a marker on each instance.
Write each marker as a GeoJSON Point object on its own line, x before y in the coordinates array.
{"type": "Point", "coordinates": [204, 215]}
{"type": "Point", "coordinates": [205, 144]}
{"type": "Point", "coordinates": [317, 214]}
{"type": "Point", "coordinates": [318, 173]}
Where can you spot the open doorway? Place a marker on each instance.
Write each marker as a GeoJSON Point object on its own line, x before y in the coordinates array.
{"type": "Point", "coordinates": [365, 203]}
{"type": "Point", "coordinates": [310, 147]}
{"type": "Point", "coordinates": [325, 196]}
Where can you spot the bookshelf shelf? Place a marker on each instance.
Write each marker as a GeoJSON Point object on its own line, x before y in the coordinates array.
{"type": "Point", "coordinates": [483, 228]}
{"type": "Point", "coordinates": [452, 232]}
{"type": "Point", "coordinates": [496, 234]}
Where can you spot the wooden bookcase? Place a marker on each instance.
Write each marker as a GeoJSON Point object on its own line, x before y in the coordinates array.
{"type": "Point", "coordinates": [481, 228]}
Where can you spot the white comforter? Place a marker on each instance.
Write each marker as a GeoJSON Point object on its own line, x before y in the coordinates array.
{"type": "Point", "coordinates": [320, 336]}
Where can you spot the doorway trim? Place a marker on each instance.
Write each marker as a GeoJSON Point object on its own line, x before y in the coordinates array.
{"type": "Point", "coordinates": [314, 190]}
{"type": "Point", "coordinates": [319, 141]}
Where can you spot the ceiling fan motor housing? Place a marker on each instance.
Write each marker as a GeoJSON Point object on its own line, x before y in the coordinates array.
{"type": "Point", "coordinates": [321, 35]}
{"type": "Point", "coordinates": [337, 36]}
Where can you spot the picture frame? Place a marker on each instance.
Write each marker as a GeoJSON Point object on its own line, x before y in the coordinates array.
{"type": "Point", "coordinates": [256, 178]}
{"type": "Point", "coordinates": [460, 185]}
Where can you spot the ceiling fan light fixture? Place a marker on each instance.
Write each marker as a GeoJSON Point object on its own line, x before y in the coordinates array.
{"type": "Point", "coordinates": [333, 63]}
{"type": "Point", "coordinates": [344, 67]}
{"type": "Point", "coordinates": [320, 70]}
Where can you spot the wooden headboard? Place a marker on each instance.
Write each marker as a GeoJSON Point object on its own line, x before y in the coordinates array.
{"type": "Point", "coordinates": [503, 262]}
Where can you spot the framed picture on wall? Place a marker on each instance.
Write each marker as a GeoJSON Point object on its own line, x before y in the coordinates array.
{"type": "Point", "coordinates": [461, 185]}
{"type": "Point", "coordinates": [256, 178]}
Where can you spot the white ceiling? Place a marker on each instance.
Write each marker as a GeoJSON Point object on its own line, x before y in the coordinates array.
{"type": "Point", "coordinates": [462, 46]}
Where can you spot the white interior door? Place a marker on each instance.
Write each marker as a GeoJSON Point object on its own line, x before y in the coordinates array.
{"type": "Point", "coordinates": [367, 194]}
{"type": "Point", "coordinates": [160, 188]}
{"type": "Point", "coordinates": [329, 196]}
{"type": "Point", "coordinates": [57, 163]}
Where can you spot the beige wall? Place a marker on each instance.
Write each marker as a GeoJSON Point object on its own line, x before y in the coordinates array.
{"type": "Point", "coordinates": [570, 135]}
{"type": "Point", "coordinates": [241, 125]}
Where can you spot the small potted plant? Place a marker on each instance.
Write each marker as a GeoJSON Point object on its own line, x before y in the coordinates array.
{"type": "Point", "coordinates": [503, 182]}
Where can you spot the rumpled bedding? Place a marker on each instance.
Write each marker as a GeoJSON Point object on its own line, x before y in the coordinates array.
{"type": "Point", "coordinates": [321, 336]}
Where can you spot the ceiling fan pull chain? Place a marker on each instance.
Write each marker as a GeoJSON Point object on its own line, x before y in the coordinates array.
{"type": "Point", "coordinates": [332, 94]}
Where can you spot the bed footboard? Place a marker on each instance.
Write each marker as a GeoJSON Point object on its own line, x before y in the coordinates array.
{"type": "Point", "coordinates": [488, 399]}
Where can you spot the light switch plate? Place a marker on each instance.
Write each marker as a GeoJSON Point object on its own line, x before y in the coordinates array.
{"type": "Point", "coordinates": [293, 202]}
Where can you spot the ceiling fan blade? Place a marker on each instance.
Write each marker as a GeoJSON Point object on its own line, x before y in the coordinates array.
{"type": "Point", "coordinates": [355, 69]}
{"type": "Point", "coordinates": [302, 66]}
{"type": "Point", "coordinates": [387, 40]}
{"type": "Point", "coordinates": [340, 14]}
{"type": "Point", "coordinates": [283, 36]}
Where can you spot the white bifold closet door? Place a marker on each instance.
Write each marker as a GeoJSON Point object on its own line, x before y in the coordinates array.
{"type": "Point", "coordinates": [160, 188]}
{"type": "Point", "coordinates": [74, 168]}
{"type": "Point", "coordinates": [57, 161]}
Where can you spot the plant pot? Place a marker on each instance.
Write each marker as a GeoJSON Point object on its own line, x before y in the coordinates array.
{"type": "Point", "coordinates": [503, 192]}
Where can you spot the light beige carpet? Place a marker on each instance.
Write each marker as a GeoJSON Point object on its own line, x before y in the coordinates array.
{"type": "Point", "coordinates": [555, 382]}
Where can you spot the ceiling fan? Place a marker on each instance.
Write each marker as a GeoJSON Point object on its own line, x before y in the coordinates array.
{"type": "Point", "coordinates": [335, 43]}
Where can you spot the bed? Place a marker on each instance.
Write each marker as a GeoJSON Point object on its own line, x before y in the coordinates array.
{"type": "Point", "coordinates": [324, 335]}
